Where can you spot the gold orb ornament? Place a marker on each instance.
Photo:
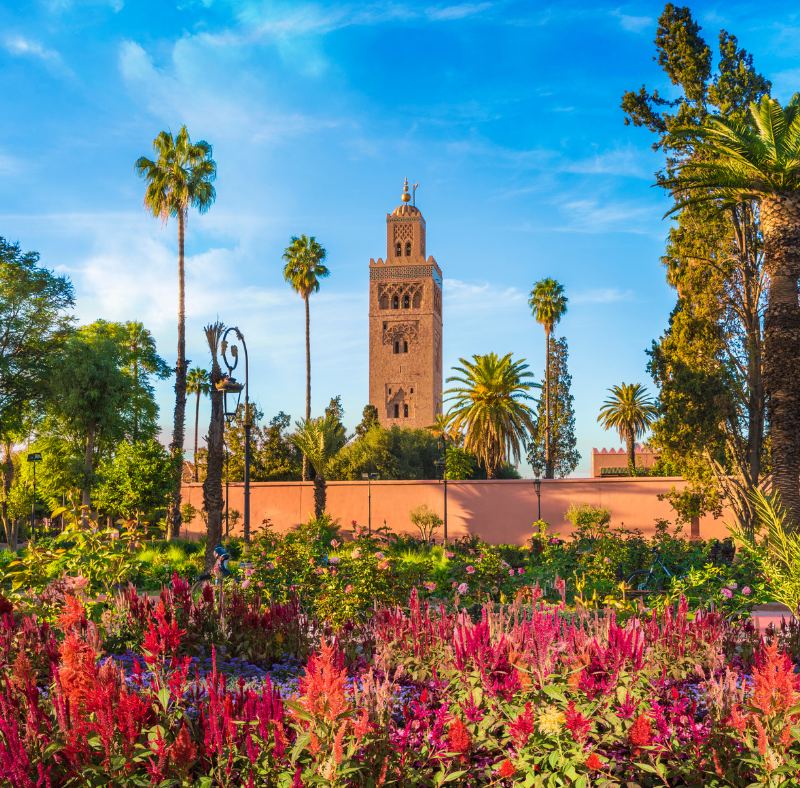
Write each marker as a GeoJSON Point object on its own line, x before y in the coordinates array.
{"type": "Point", "coordinates": [406, 196]}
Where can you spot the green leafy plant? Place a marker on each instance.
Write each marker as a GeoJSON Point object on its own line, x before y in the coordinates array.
{"type": "Point", "coordinates": [426, 521]}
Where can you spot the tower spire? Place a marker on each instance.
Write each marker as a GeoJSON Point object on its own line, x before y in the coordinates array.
{"type": "Point", "coordinates": [406, 196]}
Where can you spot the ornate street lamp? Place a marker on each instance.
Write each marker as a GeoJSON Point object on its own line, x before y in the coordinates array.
{"type": "Point", "coordinates": [34, 458]}
{"type": "Point", "coordinates": [229, 386]}
{"type": "Point", "coordinates": [369, 478]}
{"type": "Point", "coordinates": [441, 473]}
{"type": "Point", "coordinates": [537, 485]}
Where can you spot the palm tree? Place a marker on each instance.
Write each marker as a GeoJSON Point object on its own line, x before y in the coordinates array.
{"type": "Point", "coordinates": [303, 270]}
{"type": "Point", "coordinates": [548, 304]}
{"type": "Point", "coordinates": [630, 411]}
{"type": "Point", "coordinates": [442, 428]}
{"type": "Point", "coordinates": [197, 383]}
{"type": "Point", "coordinates": [320, 440]}
{"type": "Point", "coordinates": [212, 486]}
{"type": "Point", "coordinates": [180, 178]}
{"type": "Point", "coordinates": [489, 408]}
{"type": "Point", "coordinates": [738, 162]}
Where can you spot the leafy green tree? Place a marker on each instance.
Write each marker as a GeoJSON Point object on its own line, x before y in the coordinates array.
{"type": "Point", "coordinates": [563, 446]}
{"type": "Point", "coordinates": [179, 178]}
{"type": "Point", "coordinates": [708, 363]}
{"type": "Point", "coordinates": [197, 383]}
{"type": "Point", "coordinates": [88, 395]}
{"type": "Point", "coordinates": [630, 411]}
{"type": "Point", "coordinates": [762, 165]}
{"type": "Point", "coordinates": [33, 323]}
{"type": "Point", "coordinates": [136, 481]}
{"type": "Point", "coordinates": [461, 464]}
{"type": "Point", "coordinates": [369, 417]}
{"type": "Point", "coordinates": [548, 304]}
{"type": "Point", "coordinates": [490, 408]}
{"type": "Point", "coordinates": [141, 360]}
{"type": "Point", "coordinates": [319, 440]}
{"type": "Point", "coordinates": [303, 270]}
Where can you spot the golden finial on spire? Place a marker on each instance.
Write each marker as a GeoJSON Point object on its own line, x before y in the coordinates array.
{"type": "Point", "coordinates": [406, 196]}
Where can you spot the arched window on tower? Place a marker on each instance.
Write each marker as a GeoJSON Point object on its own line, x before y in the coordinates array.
{"type": "Point", "coordinates": [405, 346]}
{"type": "Point", "coordinates": [396, 411]}
{"type": "Point", "coordinates": [398, 249]}
{"type": "Point", "coordinates": [406, 301]}
{"type": "Point", "coordinates": [395, 302]}
{"type": "Point", "coordinates": [408, 248]}
{"type": "Point", "coordinates": [405, 411]}
{"type": "Point", "coordinates": [397, 347]}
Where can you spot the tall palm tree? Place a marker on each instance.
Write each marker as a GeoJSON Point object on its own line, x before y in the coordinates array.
{"type": "Point", "coordinates": [178, 179]}
{"type": "Point", "coordinates": [303, 270]}
{"type": "Point", "coordinates": [737, 162]}
{"type": "Point", "coordinates": [490, 408]}
{"type": "Point", "coordinates": [197, 383]}
{"type": "Point", "coordinates": [548, 304]}
{"type": "Point", "coordinates": [320, 440]}
{"type": "Point", "coordinates": [630, 411]}
{"type": "Point", "coordinates": [442, 428]}
{"type": "Point", "coordinates": [142, 360]}
{"type": "Point", "coordinates": [212, 486]}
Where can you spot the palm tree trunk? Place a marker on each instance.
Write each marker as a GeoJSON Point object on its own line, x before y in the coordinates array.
{"type": "Point", "coordinates": [780, 221]}
{"type": "Point", "coordinates": [548, 465]}
{"type": "Point", "coordinates": [631, 452]}
{"type": "Point", "coordinates": [306, 466]}
{"type": "Point", "coordinates": [196, 428]}
{"type": "Point", "coordinates": [176, 447]}
{"type": "Point", "coordinates": [86, 499]}
{"type": "Point", "coordinates": [8, 480]}
{"type": "Point", "coordinates": [213, 499]}
{"type": "Point", "coordinates": [320, 495]}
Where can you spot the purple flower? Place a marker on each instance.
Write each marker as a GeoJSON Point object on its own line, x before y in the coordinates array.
{"type": "Point", "coordinates": [727, 593]}
{"type": "Point", "coordinates": [521, 571]}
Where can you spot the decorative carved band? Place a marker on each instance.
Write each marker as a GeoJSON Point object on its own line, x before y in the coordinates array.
{"type": "Point", "coordinates": [400, 272]}
{"type": "Point", "coordinates": [407, 331]}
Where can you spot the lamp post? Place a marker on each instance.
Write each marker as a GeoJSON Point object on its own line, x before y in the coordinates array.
{"type": "Point", "coordinates": [34, 458]}
{"type": "Point", "coordinates": [441, 472]}
{"type": "Point", "coordinates": [537, 485]}
{"type": "Point", "coordinates": [227, 483]}
{"type": "Point", "coordinates": [229, 385]}
{"type": "Point", "coordinates": [368, 478]}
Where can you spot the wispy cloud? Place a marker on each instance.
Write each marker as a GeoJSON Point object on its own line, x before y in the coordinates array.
{"type": "Point", "coordinates": [602, 295]}
{"type": "Point", "coordinates": [634, 24]}
{"type": "Point", "coordinates": [471, 297]}
{"type": "Point", "coordinates": [456, 11]}
{"type": "Point", "coordinates": [25, 47]}
{"type": "Point", "coordinates": [593, 216]}
{"type": "Point", "coordinates": [785, 83]}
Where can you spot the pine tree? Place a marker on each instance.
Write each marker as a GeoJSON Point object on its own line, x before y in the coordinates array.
{"type": "Point", "coordinates": [565, 456]}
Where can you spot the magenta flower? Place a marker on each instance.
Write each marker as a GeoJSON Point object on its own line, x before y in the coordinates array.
{"type": "Point", "coordinates": [470, 570]}
{"type": "Point", "coordinates": [449, 555]}
{"type": "Point", "coordinates": [430, 586]}
{"type": "Point", "coordinates": [746, 590]}
{"type": "Point", "coordinates": [462, 589]}
{"type": "Point", "coordinates": [335, 543]}
{"type": "Point", "coordinates": [521, 571]}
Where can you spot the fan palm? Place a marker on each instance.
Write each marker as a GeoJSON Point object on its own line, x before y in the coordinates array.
{"type": "Point", "coordinates": [197, 383]}
{"type": "Point", "coordinates": [320, 441]}
{"type": "Point", "coordinates": [178, 179]}
{"type": "Point", "coordinates": [630, 411]}
{"type": "Point", "coordinates": [548, 304]}
{"type": "Point", "coordinates": [489, 408]}
{"type": "Point", "coordinates": [303, 270]}
{"type": "Point", "coordinates": [738, 162]}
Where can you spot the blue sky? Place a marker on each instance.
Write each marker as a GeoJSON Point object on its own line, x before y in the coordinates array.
{"type": "Point", "coordinates": [507, 113]}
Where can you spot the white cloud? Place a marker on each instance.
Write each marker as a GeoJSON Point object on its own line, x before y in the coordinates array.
{"type": "Point", "coordinates": [456, 11]}
{"type": "Point", "coordinates": [634, 24]}
{"type": "Point", "coordinates": [593, 216]}
{"type": "Point", "coordinates": [602, 295]}
{"type": "Point", "coordinates": [24, 47]}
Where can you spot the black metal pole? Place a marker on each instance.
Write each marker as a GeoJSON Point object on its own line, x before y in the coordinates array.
{"type": "Point", "coordinates": [33, 503]}
{"type": "Point", "coordinates": [227, 487]}
{"type": "Point", "coordinates": [539, 496]}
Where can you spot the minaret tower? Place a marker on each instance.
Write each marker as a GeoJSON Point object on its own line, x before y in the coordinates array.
{"type": "Point", "coordinates": [405, 324]}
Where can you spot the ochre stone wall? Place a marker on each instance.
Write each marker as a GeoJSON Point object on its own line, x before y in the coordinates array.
{"type": "Point", "coordinates": [499, 511]}
{"type": "Point", "coordinates": [405, 326]}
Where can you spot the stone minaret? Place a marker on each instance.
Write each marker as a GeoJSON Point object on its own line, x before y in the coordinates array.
{"type": "Point", "coordinates": [405, 324]}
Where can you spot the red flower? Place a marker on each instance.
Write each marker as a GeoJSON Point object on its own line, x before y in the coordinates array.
{"type": "Point", "coordinates": [73, 613]}
{"type": "Point", "coordinates": [523, 726]}
{"type": "Point", "coordinates": [183, 752]}
{"type": "Point", "coordinates": [576, 723]}
{"type": "Point", "coordinates": [641, 733]}
{"type": "Point", "coordinates": [593, 763]}
{"type": "Point", "coordinates": [506, 769]}
{"type": "Point", "coordinates": [459, 739]}
{"type": "Point", "coordinates": [5, 606]}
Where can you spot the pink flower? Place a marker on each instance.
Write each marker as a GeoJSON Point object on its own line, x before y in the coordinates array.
{"type": "Point", "coordinates": [554, 540]}
{"type": "Point", "coordinates": [727, 593]}
{"type": "Point", "coordinates": [248, 572]}
{"type": "Point", "coordinates": [521, 571]}
{"type": "Point", "coordinates": [270, 565]}
{"type": "Point", "coordinates": [353, 522]}
{"type": "Point", "coordinates": [335, 543]}
{"type": "Point", "coordinates": [454, 583]}
{"type": "Point", "coordinates": [734, 586]}
{"type": "Point", "coordinates": [380, 555]}
{"type": "Point", "coordinates": [334, 559]}
{"type": "Point", "coordinates": [348, 589]}
{"type": "Point", "coordinates": [260, 584]}
{"type": "Point", "coordinates": [383, 565]}
{"type": "Point", "coordinates": [746, 590]}
{"type": "Point", "coordinates": [462, 589]}
{"type": "Point", "coordinates": [511, 573]}
{"type": "Point", "coordinates": [356, 553]}
{"type": "Point", "coordinates": [470, 570]}
{"type": "Point", "coordinates": [430, 586]}
{"type": "Point", "coordinates": [246, 583]}
{"type": "Point", "coordinates": [319, 570]}
{"type": "Point", "coordinates": [449, 554]}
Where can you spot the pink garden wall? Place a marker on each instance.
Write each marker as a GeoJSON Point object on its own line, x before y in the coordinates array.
{"type": "Point", "coordinates": [500, 512]}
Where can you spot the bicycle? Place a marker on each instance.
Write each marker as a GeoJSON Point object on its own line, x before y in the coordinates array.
{"type": "Point", "coordinates": [646, 580]}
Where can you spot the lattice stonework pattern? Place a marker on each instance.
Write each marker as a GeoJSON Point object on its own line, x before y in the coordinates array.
{"type": "Point", "coordinates": [407, 331]}
{"type": "Point", "coordinates": [400, 289]}
{"type": "Point", "coordinates": [403, 232]}
{"type": "Point", "coordinates": [437, 349]}
{"type": "Point", "coordinates": [400, 272]}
